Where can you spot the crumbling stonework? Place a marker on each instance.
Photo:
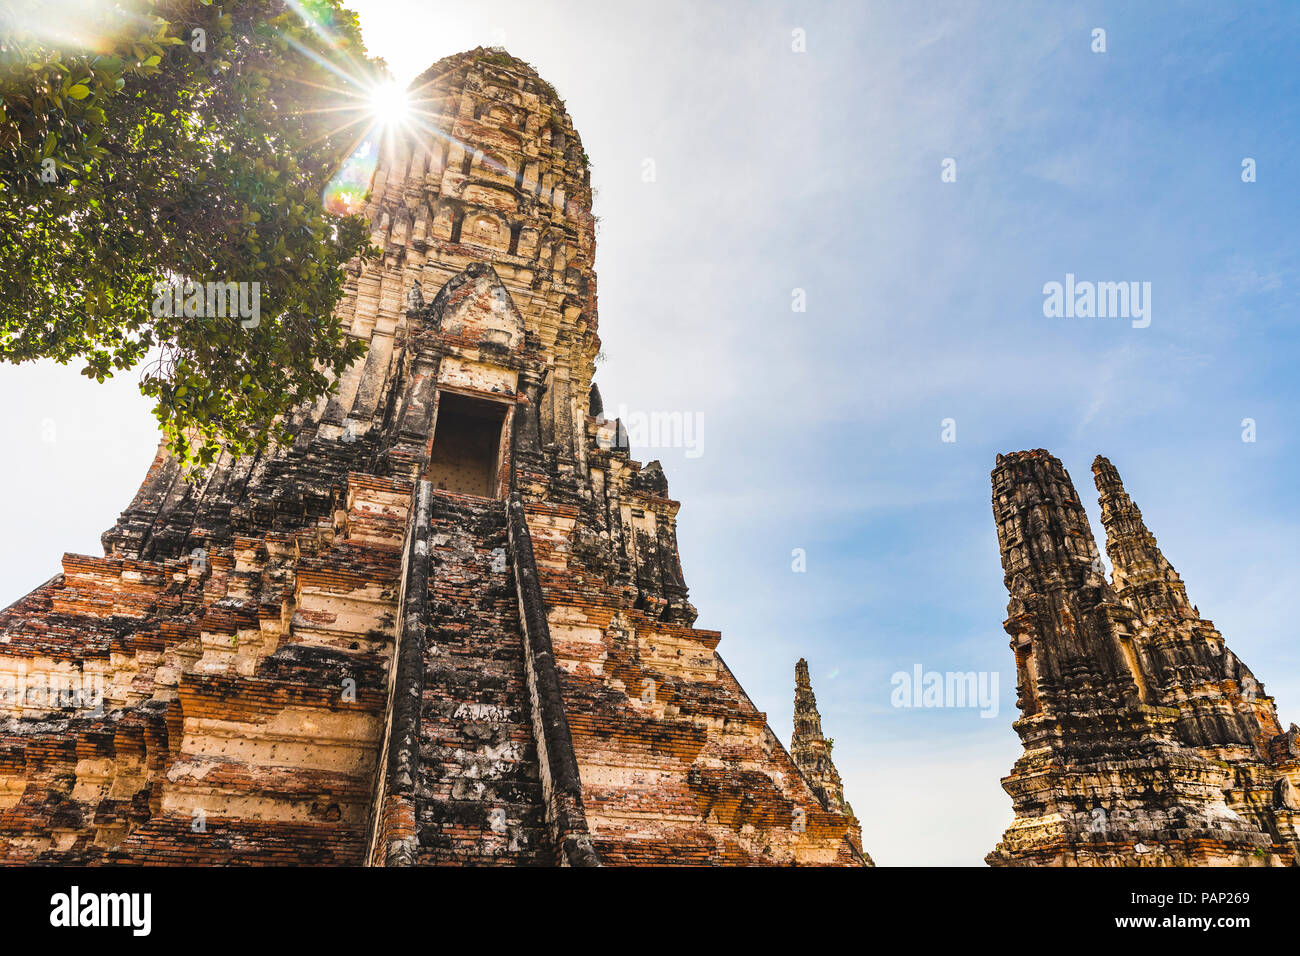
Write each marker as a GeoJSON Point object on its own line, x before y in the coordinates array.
{"type": "Point", "coordinates": [1147, 741]}
{"type": "Point", "coordinates": [367, 646]}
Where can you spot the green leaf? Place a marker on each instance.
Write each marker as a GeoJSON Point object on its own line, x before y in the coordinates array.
{"type": "Point", "coordinates": [79, 92]}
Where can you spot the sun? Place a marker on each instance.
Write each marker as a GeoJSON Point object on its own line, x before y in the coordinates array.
{"type": "Point", "coordinates": [389, 104]}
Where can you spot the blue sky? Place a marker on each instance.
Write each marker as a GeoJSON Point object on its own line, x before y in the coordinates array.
{"type": "Point", "coordinates": [778, 170]}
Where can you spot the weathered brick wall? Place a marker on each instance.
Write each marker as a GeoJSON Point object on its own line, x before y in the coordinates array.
{"type": "Point", "coordinates": [243, 689]}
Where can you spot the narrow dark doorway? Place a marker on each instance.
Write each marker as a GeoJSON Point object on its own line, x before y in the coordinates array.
{"type": "Point", "coordinates": [466, 445]}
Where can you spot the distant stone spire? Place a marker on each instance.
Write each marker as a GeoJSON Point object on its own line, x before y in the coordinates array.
{"type": "Point", "coordinates": [1144, 579]}
{"type": "Point", "coordinates": [810, 750]}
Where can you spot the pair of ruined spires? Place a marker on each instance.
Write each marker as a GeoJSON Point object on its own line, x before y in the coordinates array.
{"type": "Point", "coordinates": [1147, 741]}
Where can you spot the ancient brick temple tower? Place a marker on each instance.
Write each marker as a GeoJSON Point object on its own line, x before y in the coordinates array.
{"type": "Point", "coordinates": [447, 623]}
{"type": "Point", "coordinates": [1147, 742]}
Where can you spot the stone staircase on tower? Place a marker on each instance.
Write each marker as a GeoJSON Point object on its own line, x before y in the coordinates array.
{"type": "Point", "coordinates": [479, 797]}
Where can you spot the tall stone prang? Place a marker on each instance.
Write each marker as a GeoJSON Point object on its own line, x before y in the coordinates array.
{"type": "Point", "coordinates": [1147, 742]}
{"type": "Point", "coordinates": [810, 749]}
{"type": "Point", "coordinates": [446, 623]}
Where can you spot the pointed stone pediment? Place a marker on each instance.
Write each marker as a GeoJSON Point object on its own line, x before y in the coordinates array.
{"type": "Point", "coordinates": [476, 308]}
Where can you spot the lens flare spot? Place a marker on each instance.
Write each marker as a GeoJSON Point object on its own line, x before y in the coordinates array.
{"type": "Point", "coordinates": [345, 195]}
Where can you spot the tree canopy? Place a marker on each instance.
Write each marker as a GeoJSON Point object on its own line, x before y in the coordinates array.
{"type": "Point", "coordinates": [162, 164]}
